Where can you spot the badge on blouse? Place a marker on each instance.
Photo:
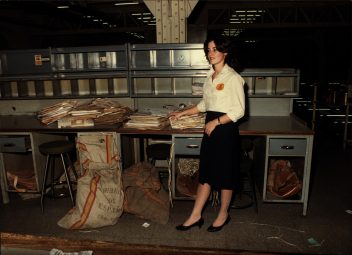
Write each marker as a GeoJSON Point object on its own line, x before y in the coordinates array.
{"type": "Point", "coordinates": [220, 86]}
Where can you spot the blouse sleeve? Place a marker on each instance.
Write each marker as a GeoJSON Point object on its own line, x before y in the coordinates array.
{"type": "Point", "coordinates": [237, 104]}
{"type": "Point", "coordinates": [201, 106]}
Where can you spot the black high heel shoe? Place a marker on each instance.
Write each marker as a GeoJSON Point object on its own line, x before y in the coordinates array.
{"type": "Point", "coordinates": [211, 228]}
{"type": "Point", "coordinates": [198, 223]}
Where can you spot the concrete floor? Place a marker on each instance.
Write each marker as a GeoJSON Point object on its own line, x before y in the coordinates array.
{"type": "Point", "coordinates": [279, 228]}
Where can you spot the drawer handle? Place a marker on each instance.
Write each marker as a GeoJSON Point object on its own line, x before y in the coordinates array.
{"type": "Point", "coordinates": [8, 145]}
{"type": "Point", "coordinates": [287, 147]}
{"type": "Point", "coordinates": [193, 146]}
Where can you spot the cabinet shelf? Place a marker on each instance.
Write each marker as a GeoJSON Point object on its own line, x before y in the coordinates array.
{"type": "Point", "coordinates": [78, 85]}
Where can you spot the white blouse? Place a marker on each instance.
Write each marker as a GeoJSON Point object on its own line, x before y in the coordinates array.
{"type": "Point", "coordinates": [224, 94]}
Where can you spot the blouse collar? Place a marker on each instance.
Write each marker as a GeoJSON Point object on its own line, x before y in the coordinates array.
{"type": "Point", "coordinates": [223, 70]}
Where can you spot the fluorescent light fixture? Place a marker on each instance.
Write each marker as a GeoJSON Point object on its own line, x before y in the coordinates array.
{"type": "Point", "coordinates": [126, 3]}
{"type": "Point", "coordinates": [63, 7]}
{"type": "Point", "coordinates": [141, 14]}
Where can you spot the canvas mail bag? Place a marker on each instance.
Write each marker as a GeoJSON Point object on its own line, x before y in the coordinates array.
{"type": "Point", "coordinates": [144, 194]}
{"type": "Point", "coordinates": [99, 199]}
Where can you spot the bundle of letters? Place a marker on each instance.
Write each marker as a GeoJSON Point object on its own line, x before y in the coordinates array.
{"type": "Point", "coordinates": [55, 112]}
{"type": "Point", "coordinates": [112, 112]}
{"type": "Point", "coordinates": [98, 112]}
{"type": "Point", "coordinates": [147, 121]}
{"type": "Point", "coordinates": [190, 121]}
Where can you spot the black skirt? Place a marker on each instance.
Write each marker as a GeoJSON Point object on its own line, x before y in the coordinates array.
{"type": "Point", "coordinates": [220, 155]}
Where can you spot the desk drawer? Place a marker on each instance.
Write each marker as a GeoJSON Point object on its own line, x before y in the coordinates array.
{"type": "Point", "coordinates": [14, 143]}
{"type": "Point", "coordinates": [188, 145]}
{"type": "Point", "coordinates": [287, 146]}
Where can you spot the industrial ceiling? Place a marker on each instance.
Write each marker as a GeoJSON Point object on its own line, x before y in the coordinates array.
{"type": "Point", "coordinates": [84, 22]}
{"type": "Point", "coordinates": [296, 31]}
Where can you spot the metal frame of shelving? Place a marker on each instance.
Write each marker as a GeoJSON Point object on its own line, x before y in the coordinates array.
{"type": "Point", "coordinates": [346, 139]}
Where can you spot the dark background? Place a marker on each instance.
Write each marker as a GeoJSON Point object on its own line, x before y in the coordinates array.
{"type": "Point", "coordinates": [313, 36]}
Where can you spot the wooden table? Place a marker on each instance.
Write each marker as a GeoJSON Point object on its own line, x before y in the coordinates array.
{"type": "Point", "coordinates": [270, 128]}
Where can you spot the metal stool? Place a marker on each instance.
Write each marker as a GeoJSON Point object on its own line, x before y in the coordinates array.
{"type": "Point", "coordinates": [55, 149]}
{"type": "Point", "coordinates": [246, 196]}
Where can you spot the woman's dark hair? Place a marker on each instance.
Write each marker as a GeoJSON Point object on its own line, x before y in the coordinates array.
{"type": "Point", "coordinates": [223, 45]}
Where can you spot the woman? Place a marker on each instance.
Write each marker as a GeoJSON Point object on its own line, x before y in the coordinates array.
{"type": "Point", "coordinates": [224, 102]}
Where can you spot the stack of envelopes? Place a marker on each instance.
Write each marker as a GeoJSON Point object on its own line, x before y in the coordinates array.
{"type": "Point", "coordinates": [147, 121]}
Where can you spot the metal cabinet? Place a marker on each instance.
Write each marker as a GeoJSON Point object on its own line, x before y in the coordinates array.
{"type": "Point", "coordinates": [287, 169]}
{"type": "Point", "coordinates": [21, 163]}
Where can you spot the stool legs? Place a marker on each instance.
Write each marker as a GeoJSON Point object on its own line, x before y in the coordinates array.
{"type": "Point", "coordinates": [67, 179]}
{"type": "Point", "coordinates": [246, 196]}
{"type": "Point", "coordinates": [52, 168]}
{"type": "Point", "coordinates": [254, 195]}
{"type": "Point", "coordinates": [50, 164]}
{"type": "Point", "coordinates": [44, 182]}
{"type": "Point", "coordinates": [69, 163]}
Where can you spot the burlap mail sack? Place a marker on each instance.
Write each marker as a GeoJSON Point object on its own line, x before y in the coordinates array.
{"type": "Point", "coordinates": [187, 177]}
{"type": "Point", "coordinates": [21, 181]}
{"type": "Point", "coordinates": [144, 195]}
{"type": "Point", "coordinates": [187, 185]}
{"type": "Point", "coordinates": [282, 180]}
{"type": "Point", "coordinates": [99, 199]}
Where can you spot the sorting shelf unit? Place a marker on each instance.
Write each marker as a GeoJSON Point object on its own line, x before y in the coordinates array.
{"type": "Point", "coordinates": [64, 73]}
{"type": "Point", "coordinates": [89, 59]}
{"type": "Point", "coordinates": [177, 70]}
{"type": "Point", "coordinates": [166, 70]}
{"type": "Point", "coordinates": [137, 70]}
{"type": "Point", "coordinates": [272, 82]}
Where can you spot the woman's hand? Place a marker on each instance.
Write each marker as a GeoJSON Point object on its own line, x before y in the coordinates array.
{"type": "Point", "coordinates": [175, 115]}
{"type": "Point", "coordinates": [210, 126]}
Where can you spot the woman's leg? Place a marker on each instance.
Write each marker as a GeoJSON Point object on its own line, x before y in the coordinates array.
{"type": "Point", "coordinates": [203, 192]}
{"type": "Point", "coordinates": [226, 195]}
